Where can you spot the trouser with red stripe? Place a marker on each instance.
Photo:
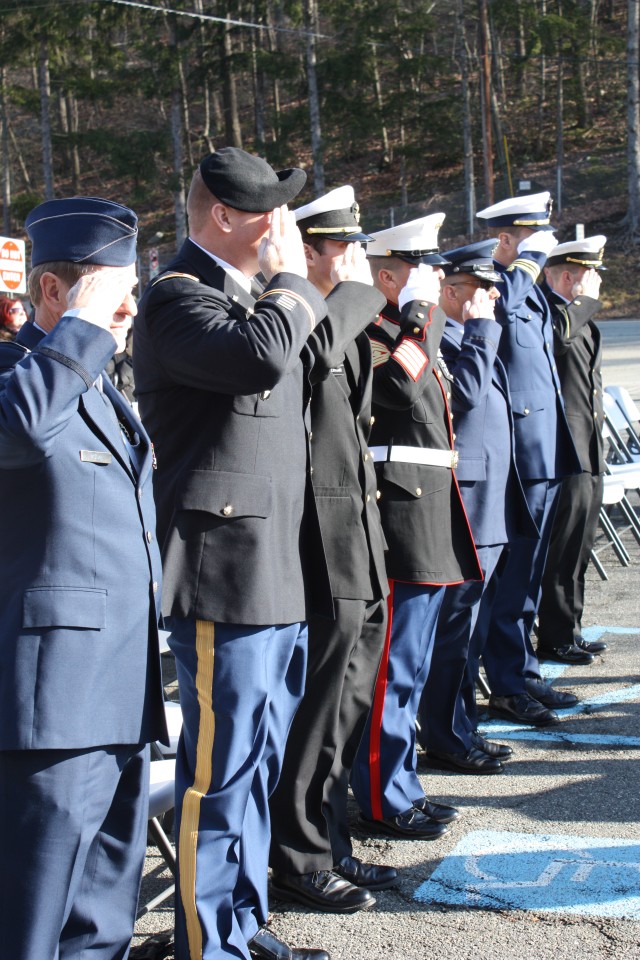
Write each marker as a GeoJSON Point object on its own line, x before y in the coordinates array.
{"type": "Point", "coordinates": [383, 777]}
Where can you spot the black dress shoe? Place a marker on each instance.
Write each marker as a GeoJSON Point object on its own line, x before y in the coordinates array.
{"type": "Point", "coordinates": [545, 694]}
{"type": "Point", "coordinates": [473, 761]}
{"type": "Point", "coordinates": [410, 823]}
{"type": "Point", "coordinates": [369, 875]}
{"type": "Point", "coordinates": [322, 889]}
{"type": "Point", "coordinates": [591, 646]}
{"type": "Point", "coordinates": [570, 654]}
{"type": "Point", "coordinates": [498, 750]}
{"type": "Point", "coordinates": [521, 708]}
{"type": "Point", "coordinates": [440, 812]}
{"type": "Point", "coordinates": [266, 946]}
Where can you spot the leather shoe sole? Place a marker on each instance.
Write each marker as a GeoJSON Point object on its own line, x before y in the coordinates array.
{"type": "Point", "coordinates": [440, 812]}
{"type": "Point", "coordinates": [370, 875]}
{"type": "Point", "coordinates": [411, 824]}
{"type": "Point", "coordinates": [498, 750]}
{"type": "Point", "coordinates": [474, 761]}
{"type": "Point", "coordinates": [522, 708]}
{"type": "Point", "coordinates": [323, 889]}
{"type": "Point", "coordinates": [545, 694]}
{"type": "Point", "coordinates": [265, 946]}
{"type": "Point", "coordinates": [570, 654]}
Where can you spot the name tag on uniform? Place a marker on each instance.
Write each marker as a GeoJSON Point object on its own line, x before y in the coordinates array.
{"type": "Point", "coordinates": [96, 456]}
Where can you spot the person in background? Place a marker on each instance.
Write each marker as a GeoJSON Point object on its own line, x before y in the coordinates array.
{"type": "Point", "coordinates": [571, 287]}
{"type": "Point", "coordinates": [12, 317]}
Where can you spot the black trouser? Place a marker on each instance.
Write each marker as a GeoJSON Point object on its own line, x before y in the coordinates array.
{"type": "Point", "coordinates": [572, 538]}
{"type": "Point", "coordinates": [309, 829]}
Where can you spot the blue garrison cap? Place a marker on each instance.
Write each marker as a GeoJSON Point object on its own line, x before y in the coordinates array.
{"type": "Point", "coordinates": [475, 259]}
{"type": "Point", "coordinates": [83, 230]}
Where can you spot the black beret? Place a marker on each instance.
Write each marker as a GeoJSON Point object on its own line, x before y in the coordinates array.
{"type": "Point", "coordinates": [246, 182]}
{"type": "Point", "coordinates": [83, 230]}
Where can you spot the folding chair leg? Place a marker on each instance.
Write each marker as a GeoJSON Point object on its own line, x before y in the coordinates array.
{"type": "Point", "coordinates": [483, 687]}
{"type": "Point", "coordinates": [630, 514]}
{"type": "Point", "coordinates": [163, 843]}
{"type": "Point", "coordinates": [616, 543]}
{"type": "Point", "coordinates": [595, 561]}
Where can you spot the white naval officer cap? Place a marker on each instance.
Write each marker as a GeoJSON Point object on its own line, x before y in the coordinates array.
{"type": "Point", "coordinates": [335, 216]}
{"type": "Point", "coordinates": [416, 241]}
{"type": "Point", "coordinates": [588, 252]}
{"type": "Point", "coordinates": [532, 210]}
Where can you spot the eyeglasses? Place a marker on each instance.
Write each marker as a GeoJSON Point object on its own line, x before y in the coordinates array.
{"type": "Point", "coordinates": [477, 282]}
{"type": "Point", "coordinates": [16, 309]}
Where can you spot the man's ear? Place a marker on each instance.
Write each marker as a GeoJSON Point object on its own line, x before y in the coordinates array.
{"type": "Point", "coordinates": [220, 216]}
{"type": "Point", "coordinates": [309, 253]}
{"type": "Point", "coordinates": [54, 292]}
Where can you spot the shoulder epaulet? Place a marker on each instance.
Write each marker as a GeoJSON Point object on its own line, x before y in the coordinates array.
{"type": "Point", "coordinates": [11, 353]}
{"type": "Point", "coordinates": [172, 276]}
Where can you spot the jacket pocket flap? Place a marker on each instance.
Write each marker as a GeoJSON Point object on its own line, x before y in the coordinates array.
{"type": "Point", "coordinates": [415, 479]}
{"type": "Point", "coordinates": [226, 494]}
{"type": "Point", "coordinates": [65, 607]}
{"type": "Point", "coordinates": [525, 402]}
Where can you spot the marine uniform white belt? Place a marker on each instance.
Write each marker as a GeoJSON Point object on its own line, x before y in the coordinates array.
{"type": "Point", "coordinates": [426, 455]}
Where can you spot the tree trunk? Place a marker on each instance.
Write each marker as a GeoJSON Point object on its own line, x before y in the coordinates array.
{"type": "Point", "coordinates": [177, 139]}
{"type": "Point", "coordinates": [6, 155]}
{"type": "Point", "coordinates": [311, 22]}
{"type": "Point", "coordinates": [633, 118]}
{"type": "Point", "coordinates": [467, 137]}
{"type": "Point", "coordinates": [230, 97]}
{"type": "Point", "coordinates": [44, 85]}
{"type": "Point", "coordinates": [258, 89]}
{"type": "Point", "coordinates": [485, 87]}
{"type": "Point", "coordinates": [385, 159]}
{"type": "Point", "coordinates": [74, 126]}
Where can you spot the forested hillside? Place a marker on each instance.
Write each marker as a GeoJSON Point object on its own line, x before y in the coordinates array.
{"type": "Point", "coordinates": [420, 105]}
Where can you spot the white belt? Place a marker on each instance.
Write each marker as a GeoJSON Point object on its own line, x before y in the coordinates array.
{"type": "Point", "coordinates": [427, 455]}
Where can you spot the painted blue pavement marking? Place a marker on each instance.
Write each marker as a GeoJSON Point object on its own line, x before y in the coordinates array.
{"type": "Point", "coordinates": [593, 876]}
{"type": "Point", "coordinates": [594, 633]}
{"type": "Point", "coordinates": [588, 739]}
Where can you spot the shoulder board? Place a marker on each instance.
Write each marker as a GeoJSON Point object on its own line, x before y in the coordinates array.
{"type": "Point", "coordinates": [172, 276]}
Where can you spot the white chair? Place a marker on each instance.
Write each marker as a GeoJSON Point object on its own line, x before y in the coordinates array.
{"type": "Point", "coordinates": [612, 493]}
{"type": "Point", "coordinates": [631, 414]}
{"type": "Point", "coordinates": [618, 431]}
{"type": "Point", "coordinates": [162, 784]}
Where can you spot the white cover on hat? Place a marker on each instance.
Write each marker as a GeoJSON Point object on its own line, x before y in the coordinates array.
{"type": "Point", "coordinates": [421, 234]}
{"type": "Point", "coordinates": [518, 206]}
{"type": "Point", "coordinates": [590, 245]}
{"type": "Point", "coordinates": [342, 198]}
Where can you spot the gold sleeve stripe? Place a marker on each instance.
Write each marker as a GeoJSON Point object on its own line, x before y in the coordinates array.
{"type": "Point", "coordinates": [205, 633]}
{"type": "Point", "coordinates": [528, 266]}
{"type": "Point", "coordinates": [287, 299]}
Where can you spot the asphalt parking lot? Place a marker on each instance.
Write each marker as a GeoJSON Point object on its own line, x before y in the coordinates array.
{"type": "Point", "coordinates": [545, 861]}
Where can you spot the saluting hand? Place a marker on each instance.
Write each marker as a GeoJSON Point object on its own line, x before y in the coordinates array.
{"type": "Point", "coordinates": [480, 305]}
{"type": "Point", "coordinates": [107, 298]}
{"type": "Point", "coordinates": [423, 283]}
{"type": "Point", "coordinates": [352, 265]}
{"type": "Point", "coordinates": [588, 286]}
{"type": "Point", "coordinates": [282, 251]}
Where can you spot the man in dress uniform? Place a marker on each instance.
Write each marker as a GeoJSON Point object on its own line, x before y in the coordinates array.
{"type": "Point", "coordinates": [571, 287]}
{"type": "Point", "coordinates": [224, 393]}
{"type": "Point", "coordinates": [311, 853]}
{"type": "Point", "coordinates": [80, 684]}
{"type": "Point", "coordinates": [494, 501]}
{"type": "Point", "coordinates": [430, 544]}
{"type": "Point", "coordinates": [544, 454]}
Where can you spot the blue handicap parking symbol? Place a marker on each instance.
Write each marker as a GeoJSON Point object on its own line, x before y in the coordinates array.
{"type": "Point", "coordinates": [593, 876]}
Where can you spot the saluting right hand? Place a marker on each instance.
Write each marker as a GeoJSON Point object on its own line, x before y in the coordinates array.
{"type": "Point", "coordinates": [282, 251]}
{"type": "Point", "coordinates": [480, 305]}
{"type": "Point", "coordinates": [106, 295]}
{"type": "Point", "coordinates": [588, 285]}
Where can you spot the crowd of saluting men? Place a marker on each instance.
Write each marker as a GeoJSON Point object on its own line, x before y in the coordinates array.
{"type": "Point", "coordinates": [367, 466]}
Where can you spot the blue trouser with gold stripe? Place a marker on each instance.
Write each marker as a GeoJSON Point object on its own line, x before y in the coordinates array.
{"type": "Point", "coordinates": [239, 689]}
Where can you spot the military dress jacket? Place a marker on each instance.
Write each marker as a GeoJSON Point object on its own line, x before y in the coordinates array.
{"type": "Point", "coordinates": [80, 566]}
{"type": "Point", "coordinates": [486, 471]}
{"type": "Point", "coordinates": [578, 352]}
{"type": "Point", "coordinates": [423, 517]}
{"type": "Point", "coordinates": [544, 447]}
{"type": "Point", "coordinates": [224, 394]}
{"type": "Point", "coordinates": [343, 475]}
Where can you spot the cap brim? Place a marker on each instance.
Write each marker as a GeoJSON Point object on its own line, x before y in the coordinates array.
{"type": "Point", "coordinates": [432, 259]}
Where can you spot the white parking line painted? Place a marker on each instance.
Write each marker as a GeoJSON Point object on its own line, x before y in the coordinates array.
{"type": "Point", "coordinates": [592, 876]}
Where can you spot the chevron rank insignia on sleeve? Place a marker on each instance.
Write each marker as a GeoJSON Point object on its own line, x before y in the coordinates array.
{"type": "Point", "coordinates": [379, 352]}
